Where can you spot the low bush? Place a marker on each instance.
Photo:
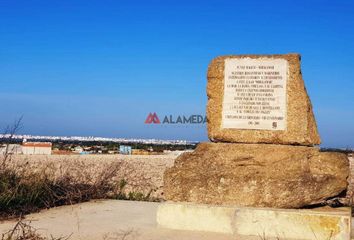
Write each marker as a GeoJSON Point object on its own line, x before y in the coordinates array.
{"type": "Point", "coordinates": [23, 190]}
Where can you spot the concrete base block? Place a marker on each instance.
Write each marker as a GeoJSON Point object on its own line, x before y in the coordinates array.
{"type": "Point", "coordinates": [196, 217]}
{"type": "Point", "coordinates": [309, 224]}
{"type": "Point", "coordinates": [294, 224]}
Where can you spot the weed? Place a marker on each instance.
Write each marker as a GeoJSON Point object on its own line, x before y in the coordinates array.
{"type": "Point", "coordinates": [24, 231]}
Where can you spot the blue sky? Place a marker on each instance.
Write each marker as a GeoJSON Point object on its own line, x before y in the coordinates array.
{"type": "Point", "coordinates": [99, 67]}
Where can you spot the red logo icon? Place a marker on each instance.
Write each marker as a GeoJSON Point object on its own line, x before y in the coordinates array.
{"type": "Point", "coordinates": [152, 118]}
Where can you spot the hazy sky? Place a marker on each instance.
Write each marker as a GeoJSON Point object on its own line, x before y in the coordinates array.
{"type": "Point", "coordinates": [99, 67]}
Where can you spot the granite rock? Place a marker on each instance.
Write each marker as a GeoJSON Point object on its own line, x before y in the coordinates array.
{"type": "Point", "coordinates": [257, 175]}
{"type": "Point", "coordinates": [301, 125]}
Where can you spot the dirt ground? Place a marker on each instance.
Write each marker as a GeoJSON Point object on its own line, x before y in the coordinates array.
{"type": "Point", "coordinates": [109, 220]}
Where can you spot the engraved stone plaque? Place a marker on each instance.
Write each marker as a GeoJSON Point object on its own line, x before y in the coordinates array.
{"type": "Point", "coordinates": [255, 93]}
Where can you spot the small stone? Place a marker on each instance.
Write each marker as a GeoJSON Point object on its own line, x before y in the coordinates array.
{"type": "Point", "coordinates": [257, 175]}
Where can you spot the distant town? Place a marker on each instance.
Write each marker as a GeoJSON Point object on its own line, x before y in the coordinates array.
{"type": "Point", "coordinates": [67, 145]}
{"type": "Point", "coordinates": [70, 145]}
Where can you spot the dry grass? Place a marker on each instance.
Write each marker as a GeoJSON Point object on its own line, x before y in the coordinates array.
{"type": "Point", "coordinates": [24, 231]}
{"type": "Point", "coordinates": [129, 234]}
{"type": "Point", "coordinates": [24, 190]}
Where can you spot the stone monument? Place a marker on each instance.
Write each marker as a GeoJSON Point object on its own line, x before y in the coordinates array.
{"type": "Point", "coordinates": [263, 135]}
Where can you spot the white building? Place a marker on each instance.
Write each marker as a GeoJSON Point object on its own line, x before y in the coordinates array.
{"type": "Point", "coordinates": [11, 149]}
{"type": "Point", "coordinates": [43, 148]}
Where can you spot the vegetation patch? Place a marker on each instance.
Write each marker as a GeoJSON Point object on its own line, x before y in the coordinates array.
{"type": "Point", "coordinates": [24, 190]}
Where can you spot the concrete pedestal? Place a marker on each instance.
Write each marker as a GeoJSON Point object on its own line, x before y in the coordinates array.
{"type": "Point", "coordinates": [309, 224]}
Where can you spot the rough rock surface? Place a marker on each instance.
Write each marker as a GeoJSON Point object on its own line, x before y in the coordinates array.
{"type": "Point", "coordinates": [259, 175]}
{"type": "Point", "coordinates": [301, 125]}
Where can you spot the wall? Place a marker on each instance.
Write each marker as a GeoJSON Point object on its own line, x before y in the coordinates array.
{"type": "Point", "coordinates": [29, 150]}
